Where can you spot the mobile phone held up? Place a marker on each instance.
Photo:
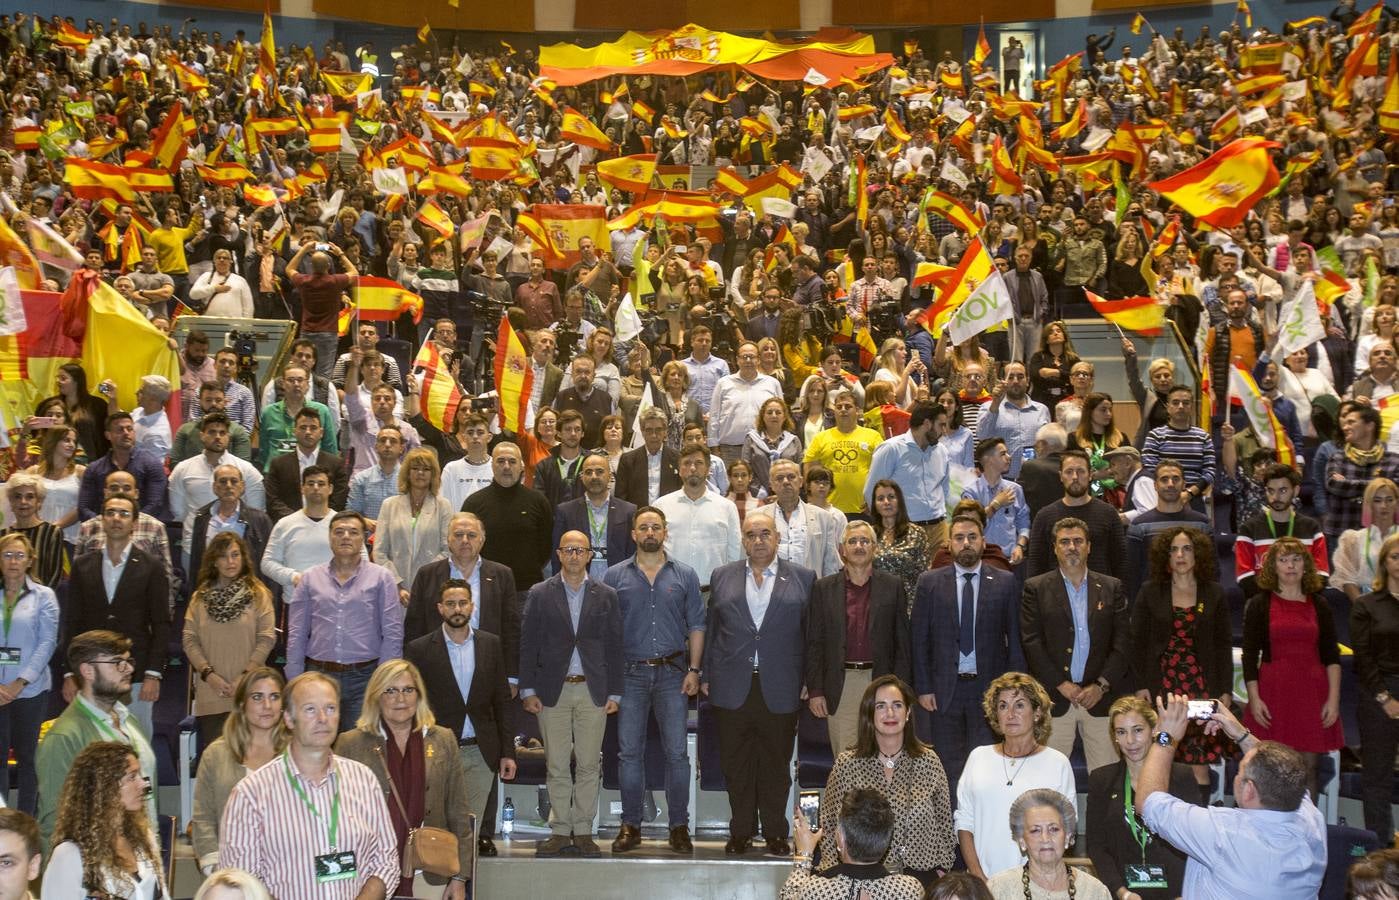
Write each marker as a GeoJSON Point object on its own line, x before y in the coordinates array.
{"type": "Point", "coordinates": [810, 804]}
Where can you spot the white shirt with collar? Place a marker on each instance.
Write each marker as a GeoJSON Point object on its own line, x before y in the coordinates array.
{"type": "Point", "coordinates": [111, 572]}
{"type": "Point", "coordinates": [759, 596]}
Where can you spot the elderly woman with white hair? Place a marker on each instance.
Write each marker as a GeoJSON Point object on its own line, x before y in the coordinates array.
{"type": "Point", "coordinates": [1043, 822]}
{"type": "Point", "coordinates": [24, 495]}
{"type": "Point", "coordinates": [152, 424]}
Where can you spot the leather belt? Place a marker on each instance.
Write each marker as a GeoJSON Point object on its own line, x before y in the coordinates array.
{"type": "Point", "coordinates": [466, 742]}
{"type": "Point", "coordinates": [574, 679]}
{"type": "Point", "coordinates": [966, 676]}
{"type": "Point", "coordinates": [660, 660]}
{"type": "Point", "coordinates": [927, 522]}
{"type": "Point", "coordinates": [327, 666]}
{"type": "Point", "coordinates": [858, 666]}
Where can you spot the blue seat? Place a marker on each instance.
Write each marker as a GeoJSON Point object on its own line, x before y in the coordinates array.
{"type": "Point", "coordinates": [814, 755]}
{"type": "Point", "coordinates": [611, 756]}
{"type": "Point", "coordinates": [1344, 847]}
{"type": "Point", "coordinates": [711, 773]}
{"type": "Point", "coordinates": [529, 768]}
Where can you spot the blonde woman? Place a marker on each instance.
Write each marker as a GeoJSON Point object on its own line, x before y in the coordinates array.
{"type": "Point", "coordinates": [895, 367]}
{"type": "Point", "coordinates": [253, 734]}
{"type": "Point", "coordinates": [416, 761]}
{"type": "Point", "coordinates": [412, 528]}
{"type": "Point", "coordinates": [232, 884]}
{"type": "Point", "coordinates": [1356, 563]}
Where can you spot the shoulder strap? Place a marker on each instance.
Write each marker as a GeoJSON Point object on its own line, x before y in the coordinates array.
{"type": "Point", "coordinates": [379, 751]}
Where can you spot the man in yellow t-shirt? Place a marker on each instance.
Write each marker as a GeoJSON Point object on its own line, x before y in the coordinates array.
{"type": "Point", "coordinates": [846, 450]}
{"type": "Point", "coordinates": [169, 241]}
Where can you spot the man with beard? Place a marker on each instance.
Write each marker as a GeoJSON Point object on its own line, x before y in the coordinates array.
{"type": "Point", "coordinates": [1013, 416]}
{"type": "Point", "coordinates": [1104, 525]}
{"type": "Point", "coordinates": [663, 624]}
{"type": "Point", "coordinates": [1280, 518]}
{"type": "Point", "coordinates": [1074, 631]}
{"type": "Point", "coordinates": [952, 667]}
{"type": "Point", "coordinates": [518, 520]}
{"type": "Point", "coordinates": [702, 526]}
{"type": "Point", "coordinates": [605, 519]}
{"type": "Point", "coordinates": [101, 664]}
{"type": "Point", "coordinates": [464, 670]}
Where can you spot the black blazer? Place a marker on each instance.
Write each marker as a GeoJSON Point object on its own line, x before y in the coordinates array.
{"type": "Point", "coordinates": [825, 634]}
{"type": "Point", "coordinates": [936, 614]}
{"type": "Point", "coordinates": [257, 527]}
{"type": "Point", "coordinates": [139, 611]}
{"type": "Point", "coordinates": [486, 704]}
{"type": "Point", "coordinates": [1258, 639]}
{"type": "Point", "coordinates": [1039, 479]}
{"type": "Point", "coordinates": [597, 407]}
{"type": "Point", "coordinates": [1047, 636]}
{"type": "Point", "coordinates": [550, 482]}
{"type": "Point", "coordinates": [1153, 623]}
{"type": "Point", "coordinates": [1110, 843]}
{"type": "Point", "coordinates": [547, 641]}
{"type": "Point", "coordinates": [500, 608]}
{"type": "Point", "coordinates": [631, 483]}
{"type": "Point", "coordinates": [573, 516]}
{"type": "Point", "coordinates": [283, 483]}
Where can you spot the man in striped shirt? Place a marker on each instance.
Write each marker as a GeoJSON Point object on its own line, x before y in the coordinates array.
{"type": "Point", "coordinates": [1184, 441]}
{"type": "Point", "coordinates": [312, 825]}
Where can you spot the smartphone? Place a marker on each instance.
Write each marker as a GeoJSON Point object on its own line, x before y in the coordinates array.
{"type": "Point", "coordinates": [1027, 453]}
{"type": "Point", "coordinates": [324, 248]}
{"type": "Point", "coordinates": [43, 422]}
{"type": "Point", "coordinates": [1201, 710]}
{"type": "Point", "coordinates": [810, 804]}
{"type": "Point", "coordinates": [105, 390]}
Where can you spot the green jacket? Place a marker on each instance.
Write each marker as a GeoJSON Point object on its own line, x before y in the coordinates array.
{"type": "Point", "coordinates": [73, 730]}
{"type": "Point", "coordinates": [276, 431]}
{"type": "Point", "coordinates": [187, 444]}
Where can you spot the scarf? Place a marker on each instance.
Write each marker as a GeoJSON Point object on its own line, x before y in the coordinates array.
{"type": "Point", "coordinates": [227, 603]}
{"type": "Point", "coordinates": [1364, 457]}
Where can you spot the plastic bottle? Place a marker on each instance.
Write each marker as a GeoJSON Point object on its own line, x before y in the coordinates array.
{"type": "Point", "coordinates": [507, 817]}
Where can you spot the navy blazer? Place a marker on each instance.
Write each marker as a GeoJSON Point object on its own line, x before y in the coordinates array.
{"type": "Point", "coordinates": [573, 516]}
{"type": "Point", "coordinates": [1047, 634]}
{"type": "Point", "coordinates": [937, 612]}
{"type": "Point", "coordinates": [547, 641]}
{"type": "Point", "coordinates": [731, 637]}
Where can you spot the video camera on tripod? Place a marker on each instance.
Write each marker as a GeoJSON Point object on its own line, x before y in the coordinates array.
{"type": "Point", "coordinates": [883, 318]}
{"type": "Point", "coordinates": [824, 318]}
{"type": "Point", "coordinates": [720, 323]}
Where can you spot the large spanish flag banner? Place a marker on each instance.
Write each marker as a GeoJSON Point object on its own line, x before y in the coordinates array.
{"type": "Point", "coordinates": [1140, 314]}
{"type": "Point", "coordinates": [514, 377]}
{"type": "Point", "coordinates": [440, 394]}
{"type": "Point", "coordinates": [564, 225]}
{"type": "Point", "coordinates": [629, 173]}
{"type": "Point", "coordinates": [1221, 190]}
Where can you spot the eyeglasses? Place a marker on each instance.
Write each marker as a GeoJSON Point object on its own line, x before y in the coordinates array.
{"type": "Point", "coordinates": [14, 555]}
{"type": "Point", "coordinates": [121, 662]}
{"type": "Point", "coordinates": [574, 551]}
{"type": "Point", "coordinates": [406, 691]}
{"type": "Point", "coordinates": [117, 513]}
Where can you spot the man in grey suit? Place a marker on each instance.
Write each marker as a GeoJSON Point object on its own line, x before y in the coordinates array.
{"type": "Point", "coordinates": [807, 534]}
{"type": "Point", "coordinates": [571, 678]}
{"type": "Point", "coordinates": [754, 643]}
{"type": "Point", "coordinates": [842, 658]}
{"type": "Point", "coordinates": [1030, 297]}
{"type": "Point", "coordinates": [966, 631]}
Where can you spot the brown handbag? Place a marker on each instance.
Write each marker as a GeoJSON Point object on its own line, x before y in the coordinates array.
{"type": "Point", "coordinates": [434, 850]}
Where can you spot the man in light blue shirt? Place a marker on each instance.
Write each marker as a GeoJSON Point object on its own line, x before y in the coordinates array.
{"type": "Point", "coordinates": [919, 466]}
{"type": "Point", "coordinates": [1272, 845]}
{"type": "Point", "coordinates": [1007, 513]}
{"type": "Point", "coordinates": [1013, 416]}
{"type": "Point", "coordinates": [705, 370]}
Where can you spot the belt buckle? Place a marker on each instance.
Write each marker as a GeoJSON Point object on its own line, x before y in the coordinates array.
{"type": "Point", "coordinates": [966, 676]}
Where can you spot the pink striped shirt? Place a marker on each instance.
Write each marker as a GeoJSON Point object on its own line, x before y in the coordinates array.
{"type": "Point", "coordinates": [268, 831]}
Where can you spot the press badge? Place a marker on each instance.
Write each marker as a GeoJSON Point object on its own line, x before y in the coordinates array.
{"type": "Point", "coordinates": [336, 866]}
{"type": "Point", "coordinates": [9, 656]}
{"type": "Point", "coordinates": [1145, 876]}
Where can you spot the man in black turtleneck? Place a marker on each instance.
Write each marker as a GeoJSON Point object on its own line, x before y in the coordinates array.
{"type": "Point", "coordinates": [519, 521]}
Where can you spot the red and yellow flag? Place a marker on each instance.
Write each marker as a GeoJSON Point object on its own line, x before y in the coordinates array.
{"type": "Point", "coordinates": [493, 160]}
{"type": "Point", "coordinates": [628, 173]}
{"type": "Point", "coordinates": [983, 47]}
{"type": "Point", "coordinates": [514, 377]}
{"type": "Point", "coordinates": [91, 180]}
{"type": "Point", "coordinates": [577, 128]}
{"type": "Point", "coordinates": [168, 142]}
{"type": "Point", "coordinates": [69, 36]}
{"type": "Point", "coordinates": [729, 181]}
{"type": "Point", "coordinates": [15, 252]}
{"type": "Point", "coordinates": [974, 268]}
{"type": "Point", "coordinates": [1140, 314]}
{"type": "Point", "coordinates": [383, 300]}
{"type": "Point", "coordinates": [440, 395]}
{"type": "Point", "coordinates": [894, 128]}
{"type": "Point", "coordinates": [1389, 106]}
{"type": "Point", "coordinates": [1221, 190]}
{"type": "Point", "coordinates": [259, 195]}
{"type": "Point", "coordinates": [434, 217]}
{"type": "Point", "coordinates": [224, 174]}
{"type": "Point", "coordinates": [953, 211]}
{"type": "Point", "coordinates": [267, 49]}
{"type": "Point", "coordinates": [1004, 179]}
{"type": "Point", "coordinates": [1266, 427]}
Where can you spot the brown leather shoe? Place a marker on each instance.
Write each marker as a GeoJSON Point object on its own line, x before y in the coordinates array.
{"type": "Point", "coordinates": [554, 845]}
{"type": "Point", "coordinates": [585, 845]}
{"type": "Point", "coordinates": [680, 840]}
{"type": "Point", "coordinates": [629, 838]}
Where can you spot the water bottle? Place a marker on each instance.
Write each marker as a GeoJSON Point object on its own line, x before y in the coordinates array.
{"type": "Point", "coordinates": [507, 817]}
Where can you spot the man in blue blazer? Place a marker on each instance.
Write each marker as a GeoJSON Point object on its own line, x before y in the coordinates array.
{"type": "Point", "coordinates": [571, 678]}
{"type": "Point", "coordinates": [606, 520]}
{"type": "Point", "coordinates": [966, 632]}
{"type": "Point", "coordinates": [754, 645]}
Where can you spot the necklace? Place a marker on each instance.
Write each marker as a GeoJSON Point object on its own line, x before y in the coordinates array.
{"type": "Point", "coordinates": [1010, 765]}
{"type": "Point", "coordinates": [890, 761]}
{"type": "Point", "coordinates": [1025, 880]}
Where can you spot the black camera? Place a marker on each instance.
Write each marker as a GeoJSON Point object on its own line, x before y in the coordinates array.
{"type": "Point", "coordinates": [245, 345]}
{"type": "Point", "coordinates": [823, 319]}
{"type": "Point", "coordinates": [483, 404]}
{"type": "Point", "coordinates": [883, 319]}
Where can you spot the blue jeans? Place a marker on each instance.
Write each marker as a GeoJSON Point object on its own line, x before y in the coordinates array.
{"type": "Point", "coordinates": [325, 342]}
{"type": "Point", "coordinates": [19, 731]}
{"type": "Point", "coordinates": [647, 688]}
{"type": "Point", "coordinates": [352, 685]}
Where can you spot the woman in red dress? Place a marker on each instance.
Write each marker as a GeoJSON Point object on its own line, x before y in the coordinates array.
{"type": "Point", "coordinates": [1291, 662]}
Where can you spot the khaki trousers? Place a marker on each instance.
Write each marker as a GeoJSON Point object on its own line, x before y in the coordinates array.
{"type": "Point", "coordinates": [480, 777]}
{"type": "Point", "coordinates": [573, 728]}
{"type": "Point", "coordinates": [844, 725]}
{"type": "Point", "coordinates": [1097, 742]}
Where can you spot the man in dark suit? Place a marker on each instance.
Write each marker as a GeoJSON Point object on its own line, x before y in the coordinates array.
{"type": "Point", "coordinates": [1039, 477]}
{"type": "Point", "coordinates": [571, 678]}
{"type": "Point", "coordinates": [606, 520]}
{"type": "Point", "coordinates": [755, 638]}
{"type": "Point", "coordinates": [584, 396]}
{"type": "Point", "coordinates": [653, 463]}
{"type": "Point", "coordinates": [464, 670]}
{"type": "Point", "coordinates": [1074, 629]}
{"type": "Point", "coordinates": [283, 480]}
{"type": "Point", "coordinates": [232, 515]}
{"type": "Point", "coordinates": [966, 632]}
{"type": "Point", "coordinates": [841, 660]}
{"type": "Point", "coordinates": [136, 606]}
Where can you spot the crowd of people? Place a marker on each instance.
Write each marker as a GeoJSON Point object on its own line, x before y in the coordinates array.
{"type": "Point", "coordinates": [783, 495]}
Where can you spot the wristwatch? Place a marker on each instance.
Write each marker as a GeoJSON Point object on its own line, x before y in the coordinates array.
{"type": "Point", "coordinates": [1164, 739]}
{"type": "Point", "coordinates": [205, 672]}
{"type": "Point", "coordinates": [692, 670]}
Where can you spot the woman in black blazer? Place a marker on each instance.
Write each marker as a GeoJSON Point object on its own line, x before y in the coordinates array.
{"type": "Point", "coordinates": [1181, 636]}
{"type": "Point", "coordinates": [1374, 635]}
{"type": "Point", "coordinates": [1125, 854]}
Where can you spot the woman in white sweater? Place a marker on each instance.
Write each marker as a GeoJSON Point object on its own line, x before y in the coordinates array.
{"type": "Point", "coordinates": [223, 291]}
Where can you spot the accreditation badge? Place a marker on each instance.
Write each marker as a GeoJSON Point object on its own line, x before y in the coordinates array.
{"type": "Point", "coordinates": [336, 866]}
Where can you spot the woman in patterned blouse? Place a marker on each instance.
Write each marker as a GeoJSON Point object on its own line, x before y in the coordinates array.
{"type": "Point", "coordinates": [902, 547]}
{"type": "Point", "coordinates": [889, 758]}
{"type": "Point", "coordinates": [862, 838]}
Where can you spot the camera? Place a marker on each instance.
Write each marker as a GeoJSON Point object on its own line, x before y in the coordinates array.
{"type": "Point", "coordinates": [245, 345]}
{"type": "Point", "coordinates": [823, 319]}
{"type": "Point", "coordinates": [720, 323]}
{"type": "Point", "coordinates": [483, 404]}
{"type": "Point", "coordinates": [883, 319]}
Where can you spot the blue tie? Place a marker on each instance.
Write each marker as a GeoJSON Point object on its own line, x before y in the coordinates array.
{"type": "Point", "coordinates": [966, 634]}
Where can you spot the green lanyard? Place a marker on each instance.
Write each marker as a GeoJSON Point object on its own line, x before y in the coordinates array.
{"type": "Point", "coordinates": [1140, 832]}
{"type": "Point", "coordinates": [1291, 521]}
{"type": "Point", "coordinates": [104, 724]}
{"type": "Point", "coordinates": [334, 828]}
{"type": "Point", "coordinates": [598, 532]}
{"type": "Point", "coordinates": [10, 609]}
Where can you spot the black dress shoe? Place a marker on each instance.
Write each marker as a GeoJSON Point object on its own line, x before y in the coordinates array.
{"type": "Point", "coordinates": [778, 847]}
{"type": "Point", "coordinates": [737, 846]}
{"type": "Point", "coordinates": [680, 840]}
{"type": "Point", "coordinates": [486, 847]}
{"type": "Point", "coordinates": [629, 838]}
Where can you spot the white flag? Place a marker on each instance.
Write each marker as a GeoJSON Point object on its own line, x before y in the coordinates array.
{"type": "Point", "coordinates": [816, 165]}
{"type": "Point", "coordinates": [391, 181]}
{"type": "Point", "coordinates": [12, 319]}
{"type": "Point", "coordinates": [1299, 323]}
{"type": "Point", "coordinates": [50, 246]}
{"type": "Point", "coordinates": [465, 66]}
{"type": "Point", "coordinates": [648, 400]}
{"type": "Point", "coordinates": [814, 77]}
{"type": "Point", "coordinates": [988, 305]}
{"type": "Point", "coordinates": [627, 322]}
{"type": "Point", "coordinates": [776, 206]}
{"type": "Point", "coordinates": [1259, 412]}
{"type": "Point", "coordinates": [332, 206]}
{"type": "Point", "coordinates": [953, 174]}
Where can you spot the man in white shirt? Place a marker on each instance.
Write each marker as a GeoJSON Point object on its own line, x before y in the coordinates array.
{"type": "Point", "coordinates": [301, 540]}
{"type": "Point", "coordinates": [702, 528]}
{"type": "Point", "coordinates": [152, 425]}
{"type": "Point", "coordinates": [807, 535]}
{"type": "Point", "coordinates": [223, 291]}
{"type": "Point", "coordinates": [192, 481]}
{"type": "Point", "coordinates": [463, 477]}
{"type": "Point", "coordinates": [734, 405]}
